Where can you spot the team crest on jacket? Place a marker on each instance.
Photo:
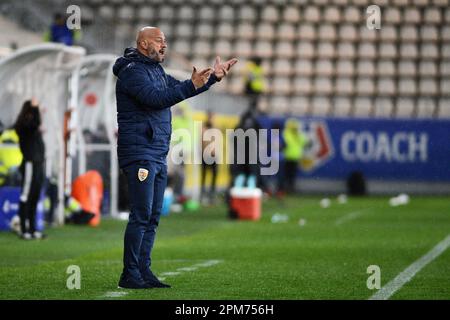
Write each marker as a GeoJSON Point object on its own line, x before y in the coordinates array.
{"type": "Point", "coordinates": [142, 174]}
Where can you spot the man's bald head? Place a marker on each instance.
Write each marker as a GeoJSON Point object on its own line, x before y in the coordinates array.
{"type": "Point", "coordinates": [151, 42]}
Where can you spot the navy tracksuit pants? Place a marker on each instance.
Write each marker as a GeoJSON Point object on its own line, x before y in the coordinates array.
{"type": "Point", "coordinates": [146, 184]}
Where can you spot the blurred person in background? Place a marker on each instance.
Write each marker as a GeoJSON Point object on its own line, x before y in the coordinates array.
{"type": "Point", "coordinates": [28, 127]}
{"type": "Point", "coordinates": [254, 81]}
{"type": "Point", "coordinates": [294, 144]}
{"type": "Point", "coordinates": [209, 163]}
{"type": "Point", "coordinates": [59, 32]}
{"type": "Point", "coordinates": [144, 94]}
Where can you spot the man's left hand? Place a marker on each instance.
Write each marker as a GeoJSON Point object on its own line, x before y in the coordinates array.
{"type": "Point", "coordinates": [221, 69]}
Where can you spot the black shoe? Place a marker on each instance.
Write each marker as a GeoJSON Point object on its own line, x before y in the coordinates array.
{"type": "Point", "coordinates": [153, 281]}
{"type": "Point", "coordinates": [131, 283]}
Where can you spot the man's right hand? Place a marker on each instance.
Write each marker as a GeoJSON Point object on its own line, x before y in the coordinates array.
{"type": "Point", "coordinates": [200, 78]}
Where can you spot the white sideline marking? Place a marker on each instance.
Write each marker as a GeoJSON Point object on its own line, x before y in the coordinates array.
{"type": "Point", "coordinates": [164, 275]}
{"type": "Point", "coordinates": [406, 275]}
{"type": "Point", "coordinates": [115, 294]}
{"type": "Point", "coordinates": [351, 216]}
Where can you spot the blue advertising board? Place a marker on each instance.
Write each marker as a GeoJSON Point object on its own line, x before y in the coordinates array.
{"type": "Point", "coordinates": [9, 207]}
{"type": "Point", "coordinates": [403, 150]}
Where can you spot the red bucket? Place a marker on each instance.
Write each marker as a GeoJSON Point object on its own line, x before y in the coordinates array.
{"type": "Point", "coordinates": [246, 202]}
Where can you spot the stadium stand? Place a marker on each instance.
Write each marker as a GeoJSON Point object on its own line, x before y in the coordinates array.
{"type": "Point", "coordinates": [320, 58]}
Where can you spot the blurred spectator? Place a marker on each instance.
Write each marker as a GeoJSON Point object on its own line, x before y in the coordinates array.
{"type": "Point", "coordinates": [10, 158]}
{"type": "Point", "coordinates": [32, 168]}
{"type": "Point", "coordinates": [254, 81]}
{"type": "Point", "coordinates": [294, 144]}
{"type": "Point", "coordinates": [60, 33]}
{"type": "Point", "coordinates": [208, 162]}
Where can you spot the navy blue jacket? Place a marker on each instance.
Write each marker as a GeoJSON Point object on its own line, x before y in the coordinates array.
{"type": "Point", "coordinates": [144, 94]}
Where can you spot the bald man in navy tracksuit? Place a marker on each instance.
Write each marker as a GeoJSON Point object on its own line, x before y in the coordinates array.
{"type": "Point", "coordinates": [144, 94]}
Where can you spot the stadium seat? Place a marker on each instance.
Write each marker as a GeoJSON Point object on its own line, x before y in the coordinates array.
{"type": "Point", "coordinates": [352, 14]}
{"type": "Point", "coordinates": [205, 30]}
{"type": "Point", "coordinates": [224, 48]}
{"type": "Point", "coordinates": [365, 86]}
{"type": "Point", "coordinates": [412, 15]}
{"type": "Point", "coordinates": [307, 32]}
{"type": "Point", "coordinates": [425, 108]}
{"type": "Point", "coordinates": [407, 87]}
{"type": "Point", "coordinates": [282, 67]}
{"type": "Point", "coordinates": [344, 86]}
{"type": "Point", "coordinates": [281, 85]}
{"type": "Point", "coordinates": [387, 51]}
{"type": "Point", "coordinates": [286, 31]}
{"type": "Point", "coordinates": [201, 48]}
{"type": "Point", "coordinates": [388, 33]}
{"type": "Point", "coordinates": [367, 35]}
{"type": "Point", "coordinates": [302, 85]}
{"type": "Point", "coordinates": [385, 68]}
{"type": "Point", "coordinates": [365, 68]}
{"type": "Point", "coordinates": [323, 86]}
{"type": "Point", "coordinates": [408, 51]}
{"type": "Point", "coordinates": [445, 86]}
{"type": "Point", "coordinates": [125, 13]}
{"type": "Point", "coordinates": [445, 68]}
{"type": "Point", "coordinates": [347, 32]}
{"type": "Point", "coordinates": [408, 33]}
{"type": "Point", "coordinates": [247, 13]}
{"type": "Point", "coordinates": [430, 51]}
{"type": "Point", "coordinates": [383, 108]}
{"type": "Point", "coordinates": [182, 47]}
{"type": "Point", "coordinates": [345, 68]}
{"type": "Point", "coordinates": [325, 50]}
{"type": "Point", "coordinates": [342, 106]}
{"type": "Point", "coordinates": [279, 105]}
{"type": "Point", "coordinates": [432, 16]}
{"type": "Point", "coordinates": [264, 49]}
{"type": "Point", "coordinates": [243, 49]}
{"type": "Point", "coordinates": [303, 67]}
{"type": "Point", "coordinates": [146, 13]}
{"type": "Point", "coordinates": [225, 31]}
{"type": "Point", "coordinates": [311, 14]}
{"type": "Point", "coordinates": [427, 68]}
{"type": "Point", "coordinates": [207, 13]}
{"type": "Point", "coordinates": [245, 30]}
{"type": "Point", "coordinates": [386, 87]}
{"type": "Point", "coordinates": [367, 50]}
{"type": "Point", "coordinates": [320, 106]}
{"type": "Point", "coordinates": [186, 13]}
{"type": "Point", "coordinates": [291, 14]}
{"type": "Point", "coordinates": [332, 14]}
{"type": "Point", "coordinates": [444, 108]}
{"type": "Point", "coordinates": [445, 51]}
{"type": "Point", "coordinates": [305, 49]}
{"type": "Point", "coordinates": [106, 12]}
{"type": "Point", "coordinates": [226, 13]}
{"type": "Point", "coordinates": [362, 107]}
{"type": "Point", "coordinates": [270, 14]}
{"type": "Point", "coordinates": [392, 15]}
{"type": "Point", "coordinates": [327, 32]}
{"type": "Point", "coordinates": [299, 105]}
{"type": "Point", "coordinates": [346, 50]}
{"type": "Point", "coordinates": [265, 31]}
{"type": "Point", "coordinates": [324, 67]}
{"type": "Point", "coordinates": [429, 33]}
{"type": "Point", "coordinates": [166, 13]}
{"type": "Point", "coordinates": [184, 30]}
{"type": "Point", "coordinates": [404, 108]}
{"type": "Point", "coordinates": [407, 68]}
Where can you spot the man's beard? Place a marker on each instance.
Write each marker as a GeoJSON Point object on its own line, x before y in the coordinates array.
{"type": "Point", "coordinates": [153, 54]}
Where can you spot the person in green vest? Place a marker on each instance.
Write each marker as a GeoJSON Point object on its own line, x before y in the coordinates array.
{"type": "Point", "coordinates": [294, 144]}
{"type": "Point", "coordinates": [254, 81]}
{"type": "Point", "coordinates": [10, 155]}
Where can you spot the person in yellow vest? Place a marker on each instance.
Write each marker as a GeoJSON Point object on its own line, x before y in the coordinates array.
{"type": "Point", "coordinates": [254, 81]}
{"type": "Point", "coordinates": [10, 155]}
{"type": "Point", "coordinates": [294, 144]}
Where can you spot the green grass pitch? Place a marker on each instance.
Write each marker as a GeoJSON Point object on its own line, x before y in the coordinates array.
{"type": "Point", "coordinates": [205, 256]}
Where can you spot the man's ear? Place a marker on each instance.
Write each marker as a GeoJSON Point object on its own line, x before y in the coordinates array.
{"type": "Point", "coordinates": [144, 44]}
